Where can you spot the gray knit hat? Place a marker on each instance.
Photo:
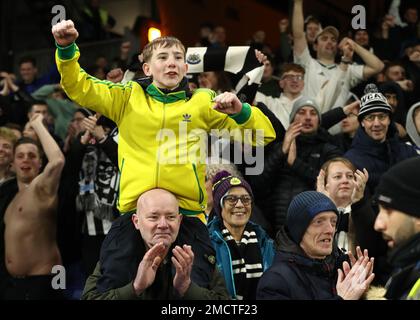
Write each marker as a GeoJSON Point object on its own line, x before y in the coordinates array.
{"type": "Point", "coordinates": [304, 102]}
{"type": "Point", "coordinates": [303, 208]}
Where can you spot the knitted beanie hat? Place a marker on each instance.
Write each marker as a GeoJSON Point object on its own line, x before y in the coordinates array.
{"type": "Point", "coordinates": [222, 182]}
{"type": "Point", "coordinates": [373, 101]}
{"type": "Point", "coordinates": [304, 102]}
{"type": "Point", "coordinates": [303, 208]}
{"type": "Point", "coordinates": [399, 187]}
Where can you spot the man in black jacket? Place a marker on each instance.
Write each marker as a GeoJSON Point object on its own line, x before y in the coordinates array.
{"type": "Point", "coordinates": [158, 269]}
{"type": "Point", "coordinates": [306, 267]}
{"type": "Point", "coordinates": [293, 166]}
{"type": "Point", "coordinates": [398, 194]}
{"type": "Point", "coordinates": [376, 145]}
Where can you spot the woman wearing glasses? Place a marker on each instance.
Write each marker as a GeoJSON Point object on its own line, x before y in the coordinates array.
{"type": "Point", "coordinates": [243, 249]}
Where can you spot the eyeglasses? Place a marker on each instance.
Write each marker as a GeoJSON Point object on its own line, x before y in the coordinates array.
{"type": "Point", "coordinates": [232, 200]}
{"type": "Point", "coordinates": [293, 77]}
{"type": "Point", "coordinates": [380, 116]}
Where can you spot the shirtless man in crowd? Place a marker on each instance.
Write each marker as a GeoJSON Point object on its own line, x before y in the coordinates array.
{"type": "Point", "coordinates": [31, 249]}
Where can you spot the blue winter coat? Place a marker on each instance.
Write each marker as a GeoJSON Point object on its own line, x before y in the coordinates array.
{"type": "Point", "coordinates": [223, 257]}
{"type": "Point", "coordinates": [378, 157]}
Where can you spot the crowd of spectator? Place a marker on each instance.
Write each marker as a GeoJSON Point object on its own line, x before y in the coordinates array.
{"type": "Point", "coordinates": [342, 120]}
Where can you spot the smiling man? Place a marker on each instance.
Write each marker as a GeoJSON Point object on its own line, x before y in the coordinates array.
{"type": "Point", "coordinates": [376, 145]}
{"type": "Point", "coordinates": [305, 265]}
{"type": "Point", "coordinates": [342, 76]}
{"type": "Point", "coordinates": [31, 249]}
{"type": "Point", "coordinates": [294, 166]}
{"type": "Point", "coordinates": [7, 141]}
{"type": "Point", "coordinates": [158, 269]}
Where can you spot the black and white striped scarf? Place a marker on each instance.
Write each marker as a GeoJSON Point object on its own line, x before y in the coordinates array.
{"type": "Point", "coordinates": [98, 190]}
{"type": "Point", "coordinates": [247, 262]}
{"type": "Point", "coordinates": [240, 60]}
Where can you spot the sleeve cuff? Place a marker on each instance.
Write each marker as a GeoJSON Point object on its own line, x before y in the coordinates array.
{"type": "Point", "coordinates": [193, 292]}
{"type": "Point", "coordinates": [66, 53]}
{"type": "Point", "coordinates": [242, 116]}
{"type": "Point", "coordinates": [127, 292]}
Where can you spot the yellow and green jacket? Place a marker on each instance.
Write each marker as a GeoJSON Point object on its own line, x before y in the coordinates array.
{"type": "Point", "coordinates": [160, 135]}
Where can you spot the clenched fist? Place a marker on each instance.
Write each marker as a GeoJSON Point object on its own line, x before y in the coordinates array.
{"type": "Point", "coordinates": [65, 33]}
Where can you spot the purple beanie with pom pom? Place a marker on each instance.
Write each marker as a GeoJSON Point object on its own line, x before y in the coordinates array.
{"type": "Point", "coordinates": [222, 182]}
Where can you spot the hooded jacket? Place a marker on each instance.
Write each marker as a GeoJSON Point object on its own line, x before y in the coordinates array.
{"type": "Point", "coordinates": [295, 276]}
{"type": "Point", "coordinates": [377, 157]}
{"type": "Point", "coordinates": [161, 135]}
{"type": "Point", "coordinates": [411, 126]}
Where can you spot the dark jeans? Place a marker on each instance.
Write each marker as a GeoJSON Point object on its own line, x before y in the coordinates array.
{"type": "Point", "coordinates": [31, 288]}
{"type": "Point", "coordinates": [120, 250]}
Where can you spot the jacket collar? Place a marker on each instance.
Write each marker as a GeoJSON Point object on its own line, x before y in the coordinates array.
{"type": "Point", "coordinates": [363, 141]}
{"type": "Point", "coordinates": [406, 253]}
{"type": "Point", "coordinates": [290, 252]}
{"type": "Point", "coordinates": [164, 95]}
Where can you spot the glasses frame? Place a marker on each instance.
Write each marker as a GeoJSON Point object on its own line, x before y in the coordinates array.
{"type": "Point", "coordinates": [246, 203]}
{"type": "Point", "coordinates": [371, 117]}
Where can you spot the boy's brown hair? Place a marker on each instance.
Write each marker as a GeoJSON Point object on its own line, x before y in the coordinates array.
{"type": "Point", "coordinates": [165, 42]}
{"type": "Point", "coordinates": [26, 140]}
{"type": "Point", "coordinates": [287, 67]}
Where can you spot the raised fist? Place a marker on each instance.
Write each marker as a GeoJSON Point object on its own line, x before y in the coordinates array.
{"type": "Point", "coordinates": [65, 33]}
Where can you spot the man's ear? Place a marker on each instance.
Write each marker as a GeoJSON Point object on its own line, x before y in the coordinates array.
{"type": "Point", "coordinates": [146, 69]}
{"type": "Point", "coordinates": [135, 220]}
{"type": "Point", "coordinates": [416, 224]}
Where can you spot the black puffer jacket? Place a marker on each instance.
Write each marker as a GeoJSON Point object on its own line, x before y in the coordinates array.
{"type": "Point", "coordinates": [279, 182]}
{"type": "Point", "coordinates": [295, 276]}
